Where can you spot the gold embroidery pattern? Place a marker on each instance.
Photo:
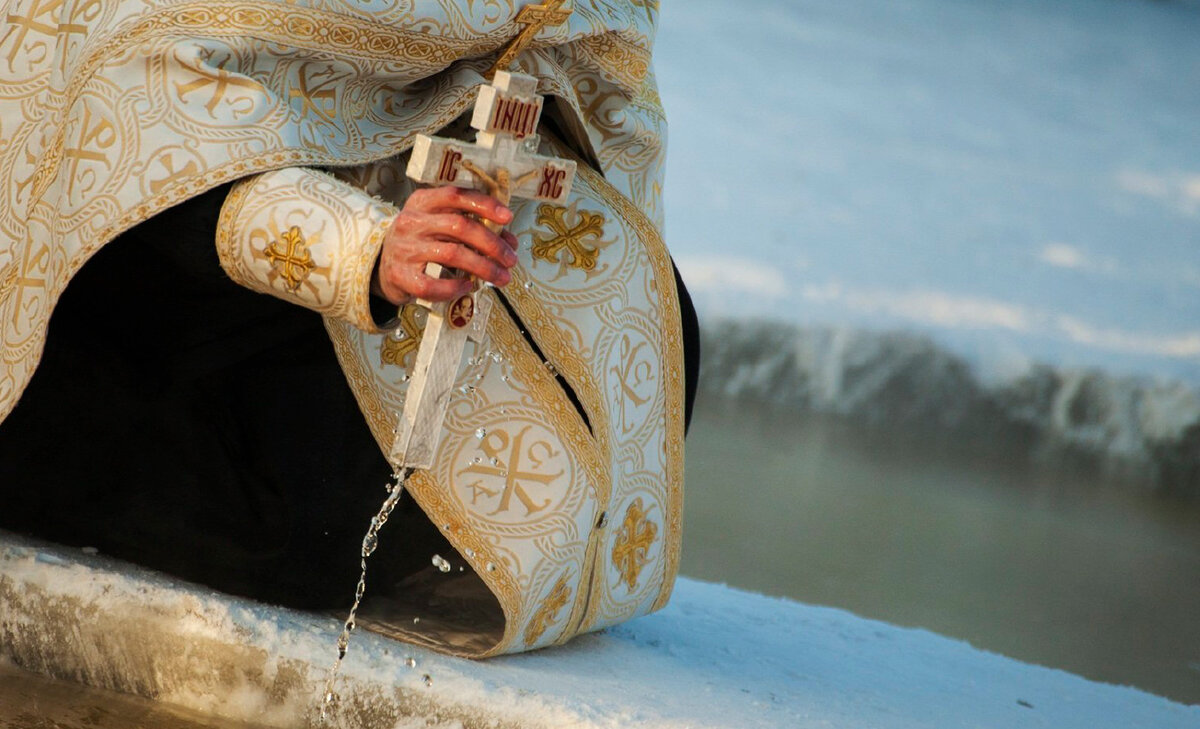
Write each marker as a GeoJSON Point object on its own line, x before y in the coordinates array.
{"type": "Point", "coordinates": [402, 351]}
{"type": "Point", "coordinates": [581, 241]}
{"type": "Point", "coordinates": [624, 62]}
{"type": "Point", "coordinates": [633, 542]}
{"type": "Point", "coordinates": [415, 67]}
{"type": "Point", "coordinates": [576, 326]}
{"type": "Point", "coordinates": [559, 595]}
{"type": "Point", "coordinates": [534, 18]}
{"type": "Point", "coordinates": [292, 261]}
{"type": "Point", "coordinates": [513, 468]}
{"type": "Point", "coordinates": [261, 245]}
{"type": "Point", "coordinates": [651, 7]}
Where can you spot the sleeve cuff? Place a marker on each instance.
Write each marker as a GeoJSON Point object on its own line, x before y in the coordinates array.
{"type": "Point", "coordinates": [305, 237]}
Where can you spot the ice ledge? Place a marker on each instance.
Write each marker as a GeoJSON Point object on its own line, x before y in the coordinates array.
{"type": "Point", "coordinates": [715, 657]}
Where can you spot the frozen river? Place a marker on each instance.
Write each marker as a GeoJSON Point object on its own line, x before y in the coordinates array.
{"type": "Point", "coordinates": [1017, 181]}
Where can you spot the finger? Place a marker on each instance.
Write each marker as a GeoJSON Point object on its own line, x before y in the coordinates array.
{"type": "Point", "coordinates": [401, 284]}
{"type": "Point", "coordinates": [473, 234]}
{"type": "Point", "coordinates": [452, 199]}
{"type": "Point", "coordinates": [438, 289]}
{"type": "Point", "coordinates": [464, 259]}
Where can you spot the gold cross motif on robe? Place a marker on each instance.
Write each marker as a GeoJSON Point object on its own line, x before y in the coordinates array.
{"type": "Point", "coordinates": [630, 552]}
{"type": "Point", "coordinates": [534, 18]}
{"type": "Point", "coordinates": [293, 261]}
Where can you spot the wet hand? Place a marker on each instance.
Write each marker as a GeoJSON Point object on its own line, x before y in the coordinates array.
{"type": "Point", "coordinates": [444, 225]}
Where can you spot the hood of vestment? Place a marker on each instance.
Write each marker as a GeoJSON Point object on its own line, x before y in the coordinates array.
{"type": "Point", "coordinates": [111, 112]}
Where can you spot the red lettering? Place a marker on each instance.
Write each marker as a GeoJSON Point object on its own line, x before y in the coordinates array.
{"type": "Point", "coordinates": [510, 110]}
{"type": "Point", "coordinates": [551, 186]}
{"type": "Point", "coordinates": [527, 120]}
{"type": "Point", "coordinates": [516, 117]}
{"type": "Point", "coordinates": [448, 172]}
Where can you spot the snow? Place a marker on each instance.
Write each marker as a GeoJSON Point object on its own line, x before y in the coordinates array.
{"type": "Point", "coordinates": [1016, 178]}
{"type": "Point", "coordinates": [715, 657]}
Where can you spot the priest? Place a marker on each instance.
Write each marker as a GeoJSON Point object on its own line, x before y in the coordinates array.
{"type": "Point", "coordinates": [207, 280]}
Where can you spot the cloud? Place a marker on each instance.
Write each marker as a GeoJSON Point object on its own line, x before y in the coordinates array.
{"type": "Point", "coordinates": [724, 275]}
{"type": "Point", "coordinates": [1178, 190]}
{"type": "Point", "coordinates": [942, 310]}
{"type": "Point", "coordinates": [1180, 345]}
{"type": "Point", "coordinates": [1062, 255]}
{"type": "Point", "coordinates": [926, 307]}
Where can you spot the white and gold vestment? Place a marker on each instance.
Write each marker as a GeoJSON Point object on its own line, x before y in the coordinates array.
{"type": "Point", "coordinates": [568, 508]}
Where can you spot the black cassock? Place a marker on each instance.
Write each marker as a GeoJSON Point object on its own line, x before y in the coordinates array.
{"type": "Point", "coordinates": [163, 426]}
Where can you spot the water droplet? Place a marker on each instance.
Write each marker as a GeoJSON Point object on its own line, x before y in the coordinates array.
{"type": "Point", "coordinates": [399, 335]}
{"type": "Point", "coordinates": [504, 378]}
{"type": "Point", "coordinates": [550, 366]}
{"type": "Point", "coordinates": [410, 662]}
{"type": "Point", "coordinates": [440, 562]}
{"type": "Point", "coordinates": [446, 527]}
{"type": "Point", "coordinates": [497, 357]}
{"type": "Point", "coordinates": [469, 552]}
{"type": "Point", "coordinates": [490, 567]}
{"type": "Point", "coordinates": [494, 461]}
{"type": "Point", "coordinates": [416, 620]}
{"type": "Point", "coordinates": [370, 542]}
{"type": "Point", "coordinates": [406, 377]}
{"type": "Point", "coordinates": [427, 680]}
{"type": "Point", "coordinates": [528, 285]}
{"type": "Point", "coordinates": [476, 460]}
{"type": "Point", "coordinates": [481, 433]}
{"type": "Point", "coordinates": [603, 520]}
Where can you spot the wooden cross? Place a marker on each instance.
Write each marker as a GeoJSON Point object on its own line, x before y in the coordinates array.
{"type": "Point", "coordinates": [534, 18]}
{"type": "Point", "coordinates": [503, 161]}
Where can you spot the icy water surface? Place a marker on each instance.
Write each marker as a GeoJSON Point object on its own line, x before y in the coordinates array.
{"type": "Point", "coordinates": [1047, 565]}
{"type": "Point", "coordinates": [32, 702]}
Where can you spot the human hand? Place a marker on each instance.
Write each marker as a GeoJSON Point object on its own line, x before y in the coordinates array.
{"type": "Point", "coordinates": [434, 227]}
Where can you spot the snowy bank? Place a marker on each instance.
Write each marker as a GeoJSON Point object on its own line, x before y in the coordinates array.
{"type": "Point", "coordinates": [1142, 430]}
{"type": "Point", "coordinates": [715, 657]}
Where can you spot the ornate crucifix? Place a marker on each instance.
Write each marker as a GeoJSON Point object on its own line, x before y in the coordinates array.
{"type": "Point", "coordinates": [503, 161]}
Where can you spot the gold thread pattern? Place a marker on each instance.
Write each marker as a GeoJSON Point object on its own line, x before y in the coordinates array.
{"type": "Point", "coordinates": [229, 90]}
{"type": "Point", "coordinates": [559, 595]}
{"type": "Point", "coordinates": [290, 258]}
{"type": "Point", "coordinates": [262, 244]}
{"type": "Point", "coordinates": [399, 348]}
{"type": "Point", "coordinates": [534, 18]}
{"type": "Point", "coordinates": [634, 539]}
{"type": "Point", "coordinates": [575, 245]}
